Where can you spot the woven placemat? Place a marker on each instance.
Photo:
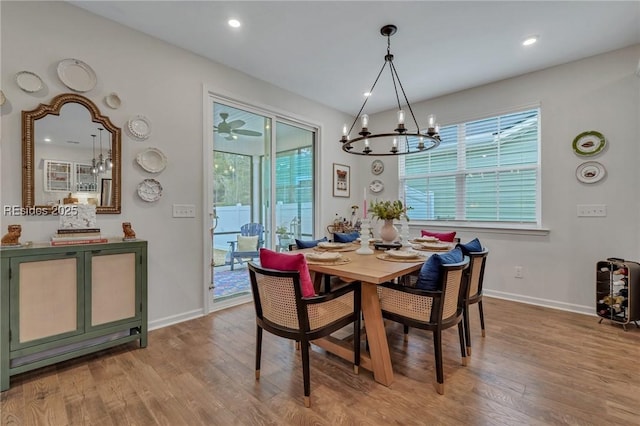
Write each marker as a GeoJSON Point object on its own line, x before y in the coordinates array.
{"type": "Point", "coordinates": [437, 249]}
{"type": "Point", "coordinates": [385, 256]}
{"type": "Point", "coordinates": [341, 261]}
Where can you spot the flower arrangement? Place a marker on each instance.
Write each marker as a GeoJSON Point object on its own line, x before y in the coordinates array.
{"type": "Point", "coordinates": [389, 210]}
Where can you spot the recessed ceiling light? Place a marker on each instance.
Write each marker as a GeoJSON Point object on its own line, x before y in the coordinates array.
{"type": "Point", "coordinates": [530, 40]}
{"type": "Point", "coordinates": [234, 23]}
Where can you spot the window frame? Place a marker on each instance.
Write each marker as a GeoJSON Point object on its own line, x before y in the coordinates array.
{"type": "Point", "coordinates": [500, 226]}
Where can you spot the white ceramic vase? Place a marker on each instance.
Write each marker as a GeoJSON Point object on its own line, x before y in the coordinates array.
{"type": "Point", "coordinates": [388, 232]}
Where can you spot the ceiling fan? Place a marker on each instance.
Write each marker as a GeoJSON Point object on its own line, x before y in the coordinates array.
{"type": "Point", "coordinates": [232, 128]}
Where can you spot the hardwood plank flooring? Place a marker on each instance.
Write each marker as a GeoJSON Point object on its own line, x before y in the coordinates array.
{"type": "Point", "coordinates": [536, 366]}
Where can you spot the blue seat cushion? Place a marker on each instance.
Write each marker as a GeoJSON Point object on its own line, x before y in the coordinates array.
{"type": "Point", "coordinates": [472, 246]}
{"type": "Point", "coordinates": [340, 237]}
{"type": "Point", "coordinates": [308, 244]}
{"type": "Point", "coordinates": [429, 276]}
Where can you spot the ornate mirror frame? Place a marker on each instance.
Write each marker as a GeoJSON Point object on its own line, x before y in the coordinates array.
{"type": "Point", "coordinates": [28, 147]}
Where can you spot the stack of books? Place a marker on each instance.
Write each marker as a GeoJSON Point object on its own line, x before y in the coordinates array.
{"type": "Point", "coordinates": [74, 236]}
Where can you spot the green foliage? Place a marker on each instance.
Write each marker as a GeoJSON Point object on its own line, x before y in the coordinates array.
{"type": "Point", "coordinates": [388, 210]}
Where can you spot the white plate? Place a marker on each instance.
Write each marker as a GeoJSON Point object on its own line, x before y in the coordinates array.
{"type": "Point", "coordinates": [402, 254]}
{"type": "Point", "coordinates": [76, 75]}
{"type": "Point", "coordinates": [2, 98]}
{"type": "Point", "coordinates": [152, 160]}
{"type": "Point", "coordinates": [323, 257]}
{"type": "Point", "coordinates": [112, 100]}
{"type": "Point", "coordinates": [590, 172]}
{"type": "Point", "coordinates": [330, 245]}
{"type": "Point", "coordinates": [150, 190]}
{"type": "Point", "coordinates": [28, 81]}
{"type": "Point", "coordinates": [426, 240]}
{"type": "Point", "coordinates": [139, 127]}
{"type": "Point", "coordinates": [435, 246]}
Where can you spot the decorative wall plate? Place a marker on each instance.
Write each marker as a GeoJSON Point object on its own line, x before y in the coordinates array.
{"type": "Point", "coordinates": [589, 143]}
{"type": "Point", "coordinates": [152, 160]}
{"type": "Point", "coordinates": [112, 100]}
{"type": "Point", "coordinates": [377, 167]}
{"type": "Point", "coordinates": [590, 172]}
{"type": "Point", "coordinates": [76, 75]}
{"type": "Point", "coordinates": [150, 190]}
{"type": "Point", "coordinates": [139, 127]}
{"type": "Point", "coordinates": [376, 186]}
{"type": "Point", "coordinates": [28, 81]}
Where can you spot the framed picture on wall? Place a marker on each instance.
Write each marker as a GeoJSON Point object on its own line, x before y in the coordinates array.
{"type": "Point", "coordinates": [341, 180]}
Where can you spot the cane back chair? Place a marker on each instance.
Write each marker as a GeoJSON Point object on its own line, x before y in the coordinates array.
{"type": "Point", "coordinates": [475, 276]}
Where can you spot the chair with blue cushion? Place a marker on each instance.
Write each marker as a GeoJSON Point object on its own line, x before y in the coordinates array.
{"type": "Point", "coordinates": [475, 277]}
{"type": "Point", "coordinates": [435, 309]}
{"type": "Point", "coordinates": [248, 243]}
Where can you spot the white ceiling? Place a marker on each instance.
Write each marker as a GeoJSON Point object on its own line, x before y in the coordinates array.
{"type": "Point", "coordinates": [331, 51]}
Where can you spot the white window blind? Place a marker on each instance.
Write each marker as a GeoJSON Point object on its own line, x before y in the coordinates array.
{"type": "Point", "coordinates": [483, 171]}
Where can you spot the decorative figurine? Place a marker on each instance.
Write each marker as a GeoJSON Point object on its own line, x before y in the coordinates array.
{"type": "Point", "coordinates": [129, 233]}
{"type": "Point", "coordinates": [12, 237]}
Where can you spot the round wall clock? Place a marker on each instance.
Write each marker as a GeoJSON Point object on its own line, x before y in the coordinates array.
{"type": "Point", "coordinates": [589, 143]}
{"type": "Point", "coordinates": [377, 167]}
{"type": "Point", "coordinates": [376, 186]}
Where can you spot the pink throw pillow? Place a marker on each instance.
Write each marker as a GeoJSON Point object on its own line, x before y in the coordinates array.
{"type": "Point", "coordinates": [447, 237]}
{"type": "Point", "coordinates": [289, 262]}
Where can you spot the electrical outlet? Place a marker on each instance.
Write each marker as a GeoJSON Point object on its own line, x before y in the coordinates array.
{"type": "Point", "coordinates": [184, 210]}
{"type": "Point", "coordinates": [594, 210]}
{"type": "Point", "coordinates": [518, 271]}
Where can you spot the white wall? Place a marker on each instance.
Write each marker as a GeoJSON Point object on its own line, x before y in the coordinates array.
{"type": "Point", "coordinates": [598, 93]}
{"type": "Point", "coordinates": [165, 84]}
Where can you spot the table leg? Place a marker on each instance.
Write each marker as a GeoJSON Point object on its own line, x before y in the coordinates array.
{"type": "Point", "coordinates": [378, 345]}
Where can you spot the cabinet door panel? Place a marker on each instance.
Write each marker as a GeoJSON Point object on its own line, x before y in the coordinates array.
{"type": "Point", "coordinates": [48, 298]}
{"type": "Point", "coordinates": [113, 287]}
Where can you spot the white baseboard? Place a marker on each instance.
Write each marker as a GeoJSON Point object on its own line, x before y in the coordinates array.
{"type": "Point", "coordinates": [547, 303]}
{"type": "Point", "coordinates": [174, 319]}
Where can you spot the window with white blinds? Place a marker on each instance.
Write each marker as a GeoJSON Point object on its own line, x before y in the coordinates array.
{"type": "Point", "coordinates": [483, 171]}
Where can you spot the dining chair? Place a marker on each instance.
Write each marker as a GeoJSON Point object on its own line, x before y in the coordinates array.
{"type": "Point", "coordinates": [475, 277]}
{"type": "Point", "coordinates": [430, 310]}
{"type": "Point", "coordinates": [247, 244]}
{"type": "Point", "coordinates": [281, 310]}
{"type": "Point", "coordinates": [329, 282]}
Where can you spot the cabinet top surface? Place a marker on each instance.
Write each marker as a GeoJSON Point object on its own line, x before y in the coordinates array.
{"type": "Point", "coordinates": [113, 243]}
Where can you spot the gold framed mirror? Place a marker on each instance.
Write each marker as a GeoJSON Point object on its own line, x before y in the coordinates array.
{"type": "Point", "coordinates": [63, 146]}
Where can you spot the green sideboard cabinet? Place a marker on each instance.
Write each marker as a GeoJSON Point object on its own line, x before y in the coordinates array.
{"type": "Point", "coordinates": [57, 303]}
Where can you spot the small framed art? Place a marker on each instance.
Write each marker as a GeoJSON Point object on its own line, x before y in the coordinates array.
{"type": "Point", "coordinates": [341, 180]}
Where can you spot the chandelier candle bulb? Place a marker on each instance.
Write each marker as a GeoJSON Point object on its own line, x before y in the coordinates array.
{"type": "Point", "coordinates": [431, 121]}
{"type": "Point", "coordinates": [344, 130]}
{"type": "Point", "coordinates": [400, 117]}
{"type": "Point", "coordinates": [365, 121]}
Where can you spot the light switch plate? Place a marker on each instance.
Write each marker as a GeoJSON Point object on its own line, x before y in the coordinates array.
{"type": "Point", "coordinates": [184, 210]}
{"type": "Point", "coordinates": [593, 210]}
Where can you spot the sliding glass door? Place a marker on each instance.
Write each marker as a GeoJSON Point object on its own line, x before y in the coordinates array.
{"type": "Point", "coordinates": [258, 160]}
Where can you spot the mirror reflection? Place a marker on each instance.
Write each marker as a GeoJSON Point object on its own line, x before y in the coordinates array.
{"type": "Point", "coordinates": [71, 155]}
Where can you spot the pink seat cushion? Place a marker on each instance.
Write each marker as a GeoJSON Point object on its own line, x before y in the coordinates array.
{"type": "Point", "coordinates": [447, 237]}
{"type": "Point", "coordinates": [289, 262]}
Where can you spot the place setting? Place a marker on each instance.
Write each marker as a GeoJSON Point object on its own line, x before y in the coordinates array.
{"type": "Point", "coordinates": [335, 247]}
{"type": "Point", "coordinates": [406, 256]}
{"type": "Point", "coordinates": [326, 258]}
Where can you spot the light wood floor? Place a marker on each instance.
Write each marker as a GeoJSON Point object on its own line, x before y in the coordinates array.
{"type": "Point", "coordinates": [536, 366]}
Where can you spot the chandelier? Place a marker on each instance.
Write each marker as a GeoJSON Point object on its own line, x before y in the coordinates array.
{"type": "Point", "coordinates": [101, 165]}
{"type": "Point", "coordinates": [401, 140]}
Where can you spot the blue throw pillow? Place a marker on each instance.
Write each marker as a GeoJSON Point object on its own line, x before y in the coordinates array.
{"type": "Point", "coordinates": [308, 244]}
{"type": "Point", "coordinates": [429, 276]}
{"type": "Point", "coordinates": [472, 246]}
{"type": "Point", "coordinates": [339, 237]}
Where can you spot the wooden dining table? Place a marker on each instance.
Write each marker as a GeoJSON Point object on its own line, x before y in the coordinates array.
{"type": "Point", "coordinates": [370, 271]}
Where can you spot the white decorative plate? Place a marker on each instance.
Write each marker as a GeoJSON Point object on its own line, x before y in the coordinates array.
{"type": "Point", "coordinates": [150, 190]}
{"type": "Point", "coordinates": [76, 75]}
{"type": "Point", "coordinates": [139, 127]}
{"type": "Point", "coordinates": [589, 143]}
{"type": "Point", "coordinates": [426, 239]}
{"type": "Point", "coordinates": [112, 100]}
{"type": "Point", "coordinates": [152, 160]}
{"type": "Point", "coordinates": [376, 186]}
{"type": "Point", "coordinates": [590, 172]}
{"type": "Point", "coordinates": [402, 254]}
{"type": "Point", "coordinates": [28, 81]}
{"type": "Point", "coordinates": [377, 167]}
{"type": "Point", "coordinates": [323, 257]}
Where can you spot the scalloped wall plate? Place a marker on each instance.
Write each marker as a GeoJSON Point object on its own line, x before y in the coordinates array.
{"type": "Point", "coordinates": [139, 127]}
{"type": "Point", "coordinates": [150, 190]}
{"type": "Point", "coordinates": [152, 160]}
{"type": "Point", "coordinates": [29, 82]}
